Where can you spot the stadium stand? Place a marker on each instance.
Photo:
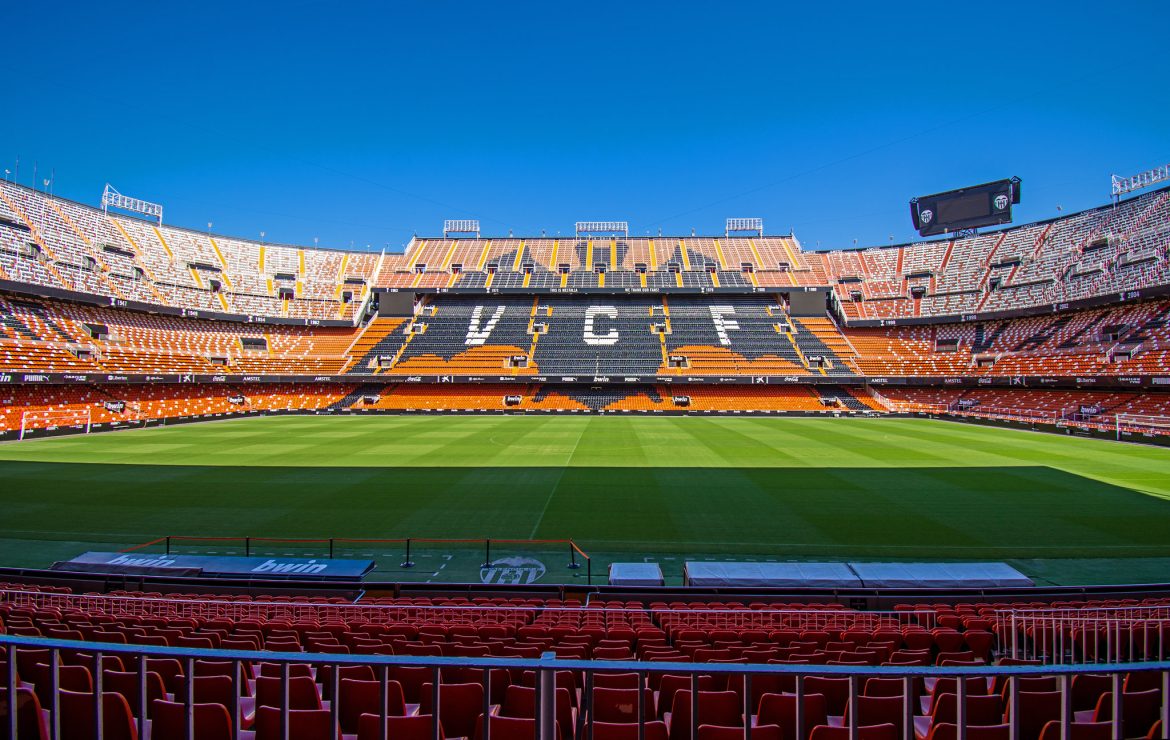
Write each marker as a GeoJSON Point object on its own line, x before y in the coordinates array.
{"type": "Point", "coordinates": [743, 335]}
{"type": "Point", "coordinates": [58, 335]}
{"type": "Point", "coordinates": [61, 244]}
{"type": "Point", "coordinates": [111, 322]}
{"type": "Point", "coordinates": [1118, 340]}
{"type": "Point", "coordinates": [1040, 405]}
{"type": "Point", "coordinates": [600, 324]}
{"type": "Point", "coordinates": [631, 353]}
{"type": "Point", "coordinates": [122, 404]}
{"type": "Point", "coordinates": [57, 243]}
{"type": "Point", "coordinates": [255, 647]}
{"type": "Point", "coordinates": [1102, 251]}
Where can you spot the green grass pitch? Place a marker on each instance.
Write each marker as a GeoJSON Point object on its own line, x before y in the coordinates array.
{"type": "Point", "coordinates": [1062, 509]}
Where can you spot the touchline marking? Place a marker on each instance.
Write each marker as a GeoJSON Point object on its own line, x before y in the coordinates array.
{"type": "Point", "coordinates": [89, 536]}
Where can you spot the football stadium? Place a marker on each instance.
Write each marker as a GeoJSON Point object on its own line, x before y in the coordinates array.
{"type": "Point", "coordinates": [580, 480]}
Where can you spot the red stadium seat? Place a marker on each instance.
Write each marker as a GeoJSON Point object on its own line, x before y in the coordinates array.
{"type": "Point", "coordinates": [356, 698]}
{"type": "Point", "coordinates": [78, 717]}
{"type": "Point", "coordinates": [303, 724]}
{"type": "Point", "coordinates": [459, 705]}
{"type": "Point", "coordinates": [212, 721]}
{"type": "Point", "coordinates": [414, 727]}
{"type": "Point", "coordinates": [869, 732]}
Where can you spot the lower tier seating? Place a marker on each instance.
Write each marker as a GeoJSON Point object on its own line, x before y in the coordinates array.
{"type": "Point", "coordinates": [37, 406]}
{"type": "Point", "coordinates": [40, 406]}
{"type": "Point", "coordinates": [1039, 405]}
{"type": "Point", "coordinates": [145, 692]}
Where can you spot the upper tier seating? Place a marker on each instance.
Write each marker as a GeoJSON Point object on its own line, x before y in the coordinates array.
{"type": "Point", "coordinates": [1097, 252]}
{"type": "Point", "coordinates": [58, 243]}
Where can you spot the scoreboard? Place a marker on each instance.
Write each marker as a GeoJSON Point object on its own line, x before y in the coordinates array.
{"type": "Point", "coordinates": [988, 204]}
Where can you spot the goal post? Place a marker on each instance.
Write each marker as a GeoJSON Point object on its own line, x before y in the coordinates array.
{"type": "Point", "coordinates": [1141, 424]}
{"type": "Point", "coordinates": [55, 419]}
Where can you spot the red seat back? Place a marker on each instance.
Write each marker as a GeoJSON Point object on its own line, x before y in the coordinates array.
{"type": "Point", "coordinates": [212, 721]}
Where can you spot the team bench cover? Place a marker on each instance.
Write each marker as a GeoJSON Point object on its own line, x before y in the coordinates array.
{"type": "Point", "coordinates": [940, 575]}
{"type": "Point", "coordinates": [635, 574]}
{"type": "Point", "coordinates": [212, 566]}
{"type": "Point", "coordinates": [770, 575]}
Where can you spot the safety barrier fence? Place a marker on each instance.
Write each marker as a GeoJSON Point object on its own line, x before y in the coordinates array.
{"type": "Point", "coordinates": [549, 673]}
{"type": "Point", "coordinates": [1085, 635]}
{"type": "Point", "coordinates": [402, 550]}
{"type": "Point", "coordinates": [331, 544]}
{"type": "Point", "coordinates": [810, 617]}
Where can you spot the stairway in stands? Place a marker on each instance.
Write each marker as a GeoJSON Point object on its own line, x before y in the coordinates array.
{"type": "Point", "coordinates": [44, 316]}
{"type": "Point", "coordinates": [810, 345]}
{"type": "Point", "coordinates": [829, 335]}
{"type": "Point", "coordinates": [844, 398]}
{"type": "Point", "coordinates": [365, 389]}
{"type": "Point", "coordinates": [16, 326]}
{"type": "Point", "coordinates": [382, 337]}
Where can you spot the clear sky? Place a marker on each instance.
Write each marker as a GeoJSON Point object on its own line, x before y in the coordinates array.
{"type": "Point", "coordinates": [367, 122]}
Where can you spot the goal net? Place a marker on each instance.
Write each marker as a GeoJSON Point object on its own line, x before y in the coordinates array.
{"type": "Point", "coordinates": [1128, 424]}
{"type": "Point", "coordinates": [55, 419]}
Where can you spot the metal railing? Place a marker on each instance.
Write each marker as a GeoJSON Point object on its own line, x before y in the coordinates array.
{"type": "Point", "coordinates": [807, 618]}
{"type": "Point", "coordinates": [547, 676]}
{"type": "Point", "coordinates": [1085, 635]}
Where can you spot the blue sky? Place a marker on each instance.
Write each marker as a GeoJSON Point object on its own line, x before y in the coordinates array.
{"type": "Point", "coordinates": [367, 122]}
